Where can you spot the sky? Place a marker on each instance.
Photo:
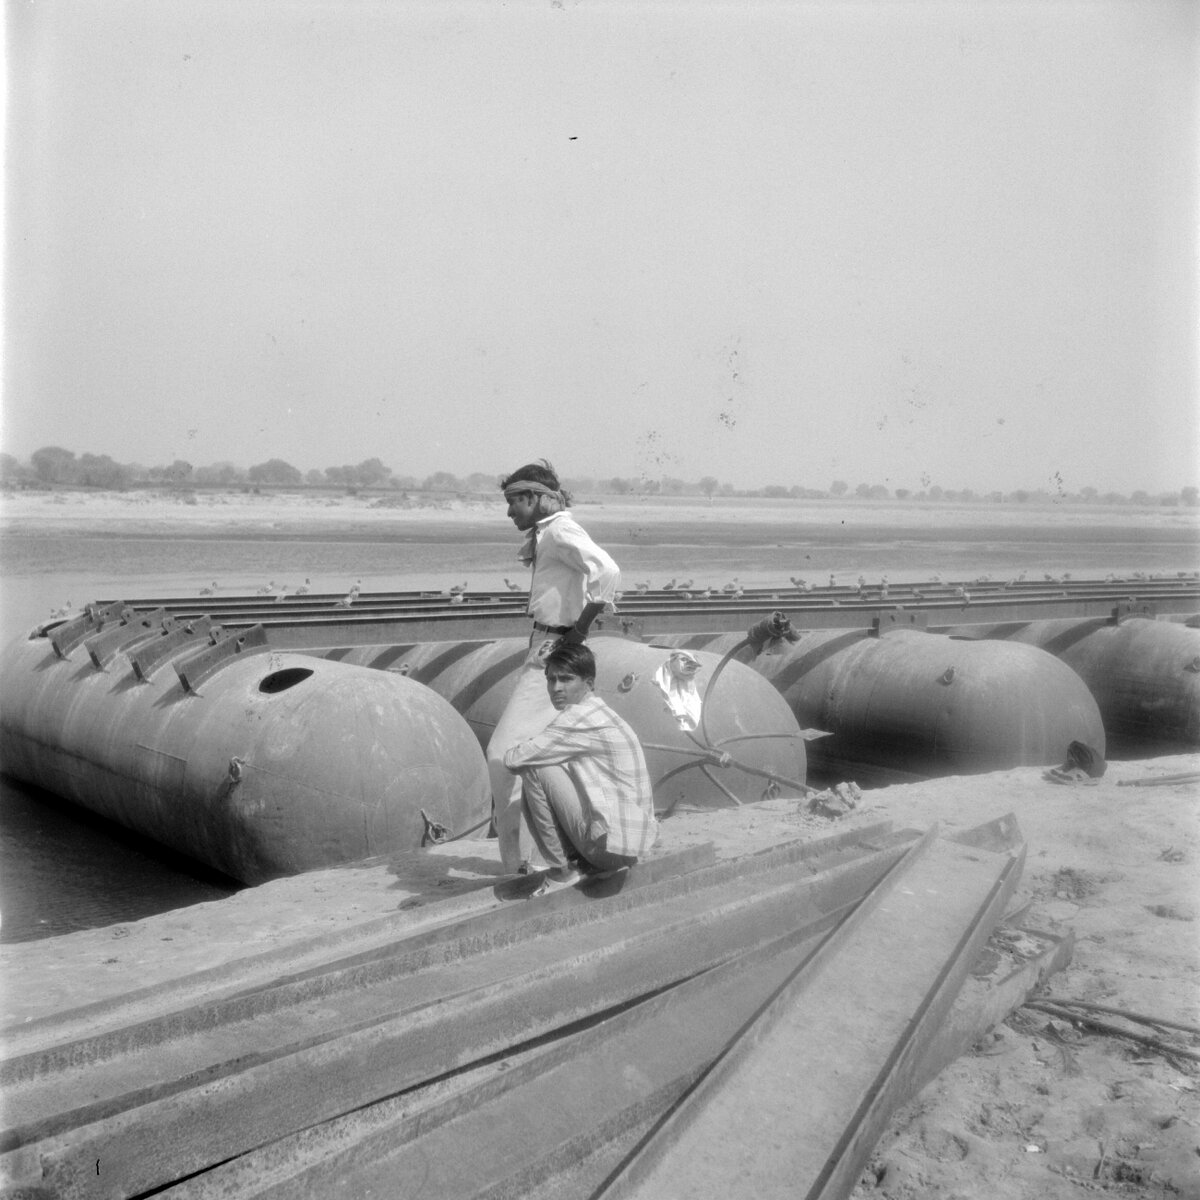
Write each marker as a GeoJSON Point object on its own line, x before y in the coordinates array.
{"type": "Point", "coordinates": [901, 242]}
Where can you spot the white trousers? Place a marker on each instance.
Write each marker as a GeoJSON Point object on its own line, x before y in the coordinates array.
{"type": "Point", "coordinates": [559, 819]}
{"type": "Point", "coordinates": [528, 712]}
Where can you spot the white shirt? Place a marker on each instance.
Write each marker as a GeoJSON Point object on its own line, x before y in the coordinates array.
{"type": "Point", "coordinates": [569, 571]}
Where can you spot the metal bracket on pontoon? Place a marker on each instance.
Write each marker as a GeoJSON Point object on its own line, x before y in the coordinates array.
{"type": "Point", "coordinates": [146, 659]}
{"type": "Point", "coordinates": [66, 637]}
{"type": "Point", "coordinates": [133, 628]}
{"type": "Point", "coordinates": [1133, 608]}
{"type": "Point", "coordinates": [898, 618]}
{"type": "Point", "coordinates": [226, 645]}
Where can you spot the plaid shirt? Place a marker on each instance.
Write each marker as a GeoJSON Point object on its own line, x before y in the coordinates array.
{"type": "Point", "coordinates": [604, 758]}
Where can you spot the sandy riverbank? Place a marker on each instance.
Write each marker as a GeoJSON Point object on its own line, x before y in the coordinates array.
{"type": "Point", "coordinates": [221, 511]}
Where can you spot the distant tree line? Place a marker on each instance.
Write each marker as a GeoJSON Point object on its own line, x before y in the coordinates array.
{"type": "Point", "coordinates": [54, 466]}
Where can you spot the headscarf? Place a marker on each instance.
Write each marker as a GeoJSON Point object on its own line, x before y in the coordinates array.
{"type": "Point", "coordinates": [526, 485]}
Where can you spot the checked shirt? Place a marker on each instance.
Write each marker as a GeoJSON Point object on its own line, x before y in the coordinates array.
{"type": "Point", "coordinates": [604, 758]}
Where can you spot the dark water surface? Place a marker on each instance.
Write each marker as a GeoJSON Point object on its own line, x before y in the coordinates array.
{"type": "Point", "coordinates": [62, 869]}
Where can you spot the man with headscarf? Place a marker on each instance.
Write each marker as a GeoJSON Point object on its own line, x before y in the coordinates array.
{"type": "Point", "coordinates": [573, 580]}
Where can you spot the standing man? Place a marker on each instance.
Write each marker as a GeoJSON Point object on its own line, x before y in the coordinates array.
{"type": "Point", "coordinates": [573, 580]}
{"type": "Point", "coordinates": [585, 788]}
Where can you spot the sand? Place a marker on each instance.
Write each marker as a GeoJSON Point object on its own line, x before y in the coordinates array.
{"type": "Point", "coordinates": [1042, 1109]}
{"type": "Point", "coordinates": [221, 511]}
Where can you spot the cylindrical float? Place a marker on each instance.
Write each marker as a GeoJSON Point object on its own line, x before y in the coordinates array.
{"type": "Point", "coordinates": [278, 763]}
{"type": "Point", "coordinates": [743, 716]}
{"type": "Point", "coordinates": [1144, 674]}
{"type": "Point", "coordinates": [912, 705]}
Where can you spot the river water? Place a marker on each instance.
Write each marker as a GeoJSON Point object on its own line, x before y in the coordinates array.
{"type": "Point", "coordinates": [62, 869]}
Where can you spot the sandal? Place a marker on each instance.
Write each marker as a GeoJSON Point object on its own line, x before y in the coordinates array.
{"type": "Point", "coordinates": [597, 873]}
{"type": "Point", "coordinates": [552, 884]}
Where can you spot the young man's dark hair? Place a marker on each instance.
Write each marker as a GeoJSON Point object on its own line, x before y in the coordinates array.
{"type": "Point", "coordinates": [573, 657]}
{"type": "Point", "coordinates": [540, 473]}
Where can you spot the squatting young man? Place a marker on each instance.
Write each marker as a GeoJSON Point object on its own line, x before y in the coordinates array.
{"type": "Point", "coordinates": [585, 788]}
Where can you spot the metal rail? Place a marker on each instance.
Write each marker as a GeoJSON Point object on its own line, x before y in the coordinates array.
{"type": "Point", "coordinates": [296, 622]}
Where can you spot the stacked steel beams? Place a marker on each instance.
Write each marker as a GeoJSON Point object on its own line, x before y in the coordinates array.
{"type": "Point", "coordinates": [557, 1047]}
{"type": "Point", "coordinates": [328, 619]}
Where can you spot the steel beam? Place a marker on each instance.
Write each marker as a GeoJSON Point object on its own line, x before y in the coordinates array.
{"type": "Point", "coordinates": [547, 1110]}
{"type": "Point", "coordinates": [794, 1105]}
{"type": "Point", "coordinates": [311, 621]}
{"type": "Point", "coordinates": [201, 1086]}
{"type": "Point", "coordinates": [551, 1123]}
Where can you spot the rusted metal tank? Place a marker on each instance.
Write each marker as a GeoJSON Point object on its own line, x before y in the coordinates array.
{"type": "Point", "coordinates": [277, 763]}
{"type": "Point", "coordinates": [743, 716]}
{"type": "Point", "coordinates": [911, 704]}
{"type": "Point", "coordinates": [1144, 674]}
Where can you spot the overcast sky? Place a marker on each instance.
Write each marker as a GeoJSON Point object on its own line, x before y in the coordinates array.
{"type": "Point", "coordinates": [888, 242]}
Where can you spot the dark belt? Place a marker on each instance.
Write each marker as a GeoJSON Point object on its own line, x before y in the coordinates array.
{"type": "Point", "coordinates": [552, 628]}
